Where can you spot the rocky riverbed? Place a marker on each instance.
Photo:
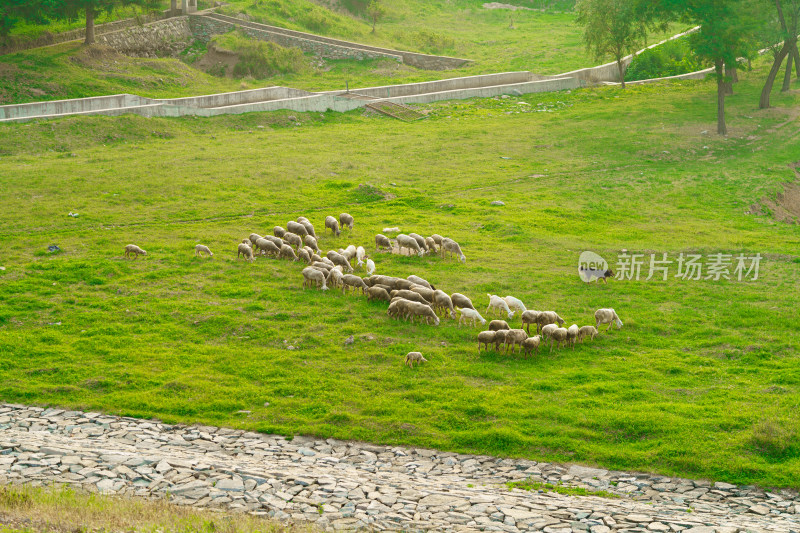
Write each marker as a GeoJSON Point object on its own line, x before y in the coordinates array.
{"type": "Point", "coordinates": [341, 485]}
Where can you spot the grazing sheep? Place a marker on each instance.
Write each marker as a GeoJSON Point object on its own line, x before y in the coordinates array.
{"type": "Point", "coordinates": [349, 253]}
{"type": "Point", "coordinates": [414, 357]}
{"type": "Point", "coordinates": [278, 231]}
{"type": "Point", "coordinates": [356, 282]}
{"type": "Point", "coordinates": [531, 343]}
{"type": "Point", "coordinates": [293, 239]}
{"type": "Point", "coordinates": [346, 219]}
{"type": "Point", "coordinates": [308, 225]}
{"type": "Point", "coordinates": [339, 259]}
{"type": "Point", "coordinates": [296, 228]}
{"type": "Point", "coordinates": [382, 241]}
{"type": "Point", "coordinates": [572, 335]}
{"type": "Point", "coordinates": [277, 241]}
{"type": "Point", "coordinates": [423, 310]}
{"type": "Point", "coordinates": [529, 317]}
{"type": "Point", "coordinates": [431, 244]}
{"type": "Point", "coordinates": [420, 241]}
{"type": "Point", "coordinates": [459, 300]}
{"type": "Point", "coordinates": [499, 338]}
{"type": "Point", "coordinates": [404, 241]}
{"type": "Point", "coordinates": [313, 276]}
{"type": "Point", "coordinates": [485, 337]}
{"type": "Point", "coordinates": [370, 267]}
{"type": "Point", "coordinates": [607, 316]}
{"type": "Point", "coordinates": [316, 258]}
{"type": "Point", "coordinates": [201, 249]}
{"type": "Point", "coordinates": [383, 280]}
{"type": "Point", "coordinates": [548, 317]}
{"type": "Point", "coordinates": [443, 302]}
{"type": "Point", "coordinates": [288, 252]}
{"type": "Point", "coordinates": [311, 242]}
{"type": "Point", "coordinates": [387, 288]}
{"type": "Point", "coordinates": [335, 278]}
{"type": "Point", "coordinates": [323, 266]}
{"type": "Point", "coordinates": [132, 249]}
{"type": "Point", "coordinates": [515, 303]}
{"type": "Point", "coordinates": [377, 293]}
{"type": "Point", "coordinates": [402, 284]}
{"type": "Point", "coordinates": [399, 308]}
{"type": "Point", "coordinates": [361, 254]}
{"type": "Point", "coordinates": [548, 330]}
{"type": "Point", "coordinates": [253, 238]}
{"type": "Point", "coordinates": [328, 261]}
{"type": "Point", "coordinates": [449, 245]}
{"type": "Point", "coordinates": [500, 305]}
{"type": "Point", "coordinates": [333, 225]}
{"type": "Point", "coordinates": [585, 331]}
{"type": "Point", "coordinates": [470, 314]}
{"type": "Point", "coordinates": [496, 325]}
{"type": "Point", "coordinates": [420, 281]}
{"type": "Point", "coordinates": [246, 251]}
{"type": "Point", "coordinates": [437, 239]}
{"type": "Point", "coordinates": [559, 335]}
{"type": "Point", "coordinates": [409, 295]}
{"type": "Point", "coordinates": [267, 247]}
{"type": "Point", "coordinates": [425, 292]}
{"type": "Point", "coordinates": [304, 256]}
{"type": "Point", "coordinates": [515, 337]}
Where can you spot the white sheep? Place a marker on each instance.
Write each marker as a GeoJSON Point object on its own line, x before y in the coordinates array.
{"type": "Point", "coordinates": [349, 253]}
{"type": "Point", "coordinates": [351, 280]}
{"type": "Point", "coordinates": [499, 305]}
{"type": "Point", "coordinates": [277, 241]}
{"type": "Point", "coordinates": [288, 252]}
{"type": "Point", "coordinates": [370, 267]}
{"type": "Point", "coordinates": [414, 357]}
{"type": "Point", "coordinates": [339, 259]}
{"type": "Point", "coordinates": [548, 317]}
{"type": "Point", "coordinates": [278, 231]}
{"type": "Point", "coordinates": [497, 325]}
{"type": "Point", "coordinates": [607, 316]}
{"type": "Point", "coordinates": [419, 281]}
{"type": "Point", "coordinates": [470, 314]}
{"type": "Point", "coordinates": [531, 343]}
{"type": "Point", "coordinates": [313, 276]}
{"type": "Point", "coordinates": [425, 292]}
{"type": "Point", "coordinates": [132, 249]}
{"type": "Point", "coordinates": [515, 337]}
{"type": "Point", "coordinates": [449, 245]}
{"type": "Point", "coordinates": [293, 239]}
{"type": "Point", "coordinates": [334, 278]}
{"type": "Point", "coordinates": [201, 249]}
{"type": "Point", "coordinates": [311, 242]}
{"type": "Point", "coordinates": [443, 302]}
{"type": "Point", "coordinates": [382, 241]}
{"type": "Point", "coordinates": [404, 241]}
{"type": "Point", "coordinates": [485, 337]}
{"type": "Point", "coordinates": [585, 331]}
{"type": "Point", "coordinates": [332, 224]}
{"type": "Point", "coordinates": [515, 303]}
{"type": "Point", "coordinates": [296, 228]}
{"type": "Point", "coordinates": [378, 293]}
{"type": "Point", "coordinates": [346, 219]}
{"type": "Point", "coordinates": [572, 335]}
{"type": "Point", "coordinates": [437, 239]}
{"type": "Point", "coordinates": [459, 300]}
{"type": "Point", "coordinates": [304, 256]}
{"type": "Point", "coordinates": [420, 241]}
{"type": "Point", "coordinates": [422, 310]}
{"type": "Point", "coordinates": [361, 254]}
{"type": "Point", "coordinates": [548, 329]}
{"type": "Point", "coordinates": [431, 244]}
{"type": "Point", "coordinates": [530, 317]}
{"type": "Point", "coordinates": [245, 250]}
{"type": "Point", "coordinates": [253, 238]}
{"type": "Point", "coordinates": [559, 335]}
{"type": "Point", "coordinates": [267, 247]}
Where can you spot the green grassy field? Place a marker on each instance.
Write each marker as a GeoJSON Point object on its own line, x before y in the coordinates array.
{"type": "Point", "coordinates": [702, 380]}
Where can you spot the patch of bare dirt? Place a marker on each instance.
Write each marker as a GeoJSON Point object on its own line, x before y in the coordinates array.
{"type": "Point", "coordinates": [100, 57]}
{"type": "Point", "coordinates": [218, 62]}
{"type": "Point", "coordinates": [785, 207]}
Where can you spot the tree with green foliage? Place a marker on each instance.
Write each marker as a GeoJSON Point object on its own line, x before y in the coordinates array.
{"type": "Point", "coordinates": [613, 28]}
{"type": "Point", "coordinates": [376, 11]}
{"type": "Point", "coordinates": [785, 26]}
{"type": "Point", "coordinates": [73, 9]}
{"type": "Point", "coordinates": [12, 11]}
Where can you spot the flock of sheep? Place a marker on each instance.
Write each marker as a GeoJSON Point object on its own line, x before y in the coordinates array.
{"type": "Point", "coordinates": [413, 297]}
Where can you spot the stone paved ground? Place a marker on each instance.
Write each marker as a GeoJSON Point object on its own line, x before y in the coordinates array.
{"type": "Point", "coordinates": [352, 485]}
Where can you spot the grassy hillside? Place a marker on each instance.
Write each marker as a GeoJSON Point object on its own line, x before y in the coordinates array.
{"type": "Point", "coordinates": [702, 380]}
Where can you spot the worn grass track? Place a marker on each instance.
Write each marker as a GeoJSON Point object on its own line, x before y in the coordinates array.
{"type": "Point", "coordinates": [703, 379]}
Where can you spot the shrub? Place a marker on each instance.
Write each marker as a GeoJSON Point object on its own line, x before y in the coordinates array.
{"type": "Point", "coordinates": [261, 59]}
{"type": "Point", "coordinates": [668, 59]}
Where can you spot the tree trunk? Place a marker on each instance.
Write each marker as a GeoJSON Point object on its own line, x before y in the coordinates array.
{"type": "Point", "coordinates": [621, 70]}
{"type": "Point", "coordinates": [787, 76]}
{"type": "Point", "coordinates": [173, 8]}
{"type": "Point", "coordinates": [796, 55]}
{"type": "Point", "coordinates": [374, 22]}
{"type": "Point", "coordinates": [763, 102]}
{"type": "Point", "coordinates": [89, 26]}
{"type": "Point", "coordinates": [721, 127]}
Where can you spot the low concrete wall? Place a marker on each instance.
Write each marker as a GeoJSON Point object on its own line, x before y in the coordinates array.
{"type": "Point", "coordinates": [169, 35]}
{"type": "Point", "coordinates": [236, 98]}
{"type": "Point", "coordinates": [541, 86]}
{"type": "Point", "coordinates": [62, 107]}
{"type": "Point", "coordinates": [468, 82]}
{"type": "Point", "coordinates": [423, 61]}
{"type": "Point", "coordinates": [697, 75]}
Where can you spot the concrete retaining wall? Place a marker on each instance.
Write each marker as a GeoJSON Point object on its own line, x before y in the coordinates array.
{"type": "Point", "coordinates": [468, 82]}
{"type": "Point", "coordinates": [165, 35]}
{"type": "Point", "coordinates": [541, 86]}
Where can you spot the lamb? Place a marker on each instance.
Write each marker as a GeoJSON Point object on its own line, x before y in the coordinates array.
{"type": "Point", "coordinates": [370, 267]}
{"type": "Point", "coordinates": [548, 330]}
{"type": "Point", "coordinates": [404, 241]}
{"type": "Point", "coordinates": [572, 335]}
{"type": "Point", "coordinates": [288, 252]}
{"type": "Point", "coordinates": [485, 337]}
{"type": "Point", "coordinates": [356, 282]}
{"type": "Point", "coordinates": [296, 228]}
{"type": "Point", "coordinates": [201, 249]}
{"type": "Point", "coordinates": [304, 256]}
{"type": "Point", "coordinates": [335, 278]}
{"type": "Point", "coordinates": [589, 331]}
{"type": "Point", "coordinates": [420, 241]}
{"type": "Point", "coordinates": [267, 247]}
{"type": "Point", "coordinates": [377, 293]}
{"type": "Point", "coordinates": [414, 357]}
{"type": "Point", "coordinates": [423, 310]}
{"type": "Point", "coordinates": [132, 249]}
{"type": "Point", "coordinates": [548, 317]}
{"type": "Point", "coordinates": [497, 303]}
{"type": "Point", "coordinates": [308, 225]}
{"type": "Point", "coordinates": [530, 317]}
{"type": "Point", "coordinates": [449, 245]}
{"type": "Point", "coordinates": [499, 338]}
{"type": "Point", "coordinates": [443, 302]}
{"type": "Point", "coordinates": [293, 239]}
{"type": "Point", "coordinates": [470, 314]}
{"type": "Point", "coordinates": [419, 281]}
{"type": "Point", "coordinates": [459, 300]}
{"type": "Point", "coordinates": [559, 335]}
{"type": "Point", "coordinates": [278, 231]}
{"type": "Point", "coordinates": [514, 337]}
{"type": "Point", "coordinates": [311, 242]}
{"type": "Point", "coordinates": [333, 225]}
{"type": "Point", "coordinates": [245, 250]}
{"type": "Point", "coordinates": [382, 241]}
{"type": "Point", "coordinates": [313, 276]}
{"type": "Point", "coordinates": [531, 343]}
{"type": "Point", "coordinates": [425, 292]}
{"type": "Point", "coordinates": [346, 219]}
{"type": "Point", "coordinates": [496, 325]}
{"type": "Point", "coordinates": [361, 254]}
{"type": "Point", "coordinates": [430, 243]}
{"type": "Point", "coordinates": [515, 303]}
{"type": "Point", "coordinates": [409, 295]}
{"type": "Point", "coordinates": [340, 260]}
{"type": "Point", "coordinates": [607, 316]}
{"type": "Point", "coordinates": [253, 238]}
